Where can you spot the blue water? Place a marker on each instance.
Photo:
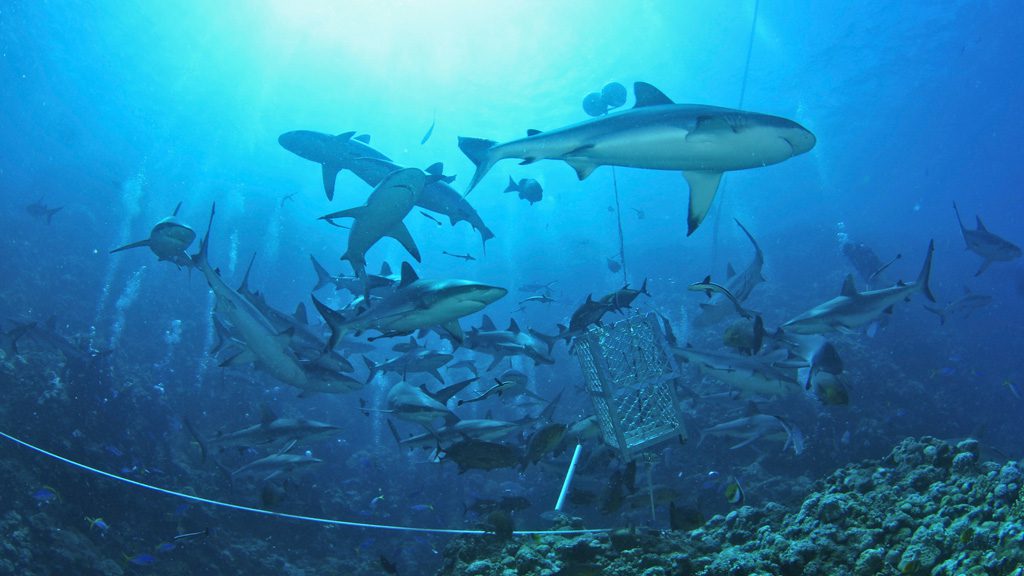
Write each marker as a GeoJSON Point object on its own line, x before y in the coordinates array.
{"type": "Point", "coordinates": [117, 112]}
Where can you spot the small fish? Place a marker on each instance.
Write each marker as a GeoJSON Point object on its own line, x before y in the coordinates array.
{"type": "Point", "coordinates": [639, 213]}
{"type": "Point", "coordinates": [376, 501]}
{"type": "Point", "coordinates": [287, 197]}
{"type": "Point", "coordinates": [191, 535]}
{"type": "Point", "coordinates": [614, 265]}
{"type": "Point", "coordinates": [528, 189]}
{"type": "Point", "coordinates": [431, 218]}
{"type": "Point", "coordinates": [422, 507]}
{"type": "Point", "coordinates": [98, 524]}
{"type": "Point", "coordinates": [46, 495]}
{"type": "Point", "coordinates": [165, 547]}
{"type": "Point", "coordinates": [543, 299]}
{"type": "Point", "coordinates": [430, 131]}
{"type": "Point", "coordinates": [467, 257]}
{"type": "Point", "coordinates": [140, 559]}
{"type": "Point", "coordinates": [734, 492]}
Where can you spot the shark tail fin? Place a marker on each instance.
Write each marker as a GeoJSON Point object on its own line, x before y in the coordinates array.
{"type": "Point", "coordinates": [372, 367]}
{"type": "Point", "coordinates": [511, 186]}
{"type": "Point", "coordinates": [958, 218]}
{"type": "Point", "coordinates": [938, 312]}
{"type": "Point", "coordinates": [201, 258]}
{"type": "Point", "coordinates": [478, 152]}
{"type": "Point", "coordinates": [323, 277]}
{"type": "Point", "coordinates": [394, 432]}
{"type": "Point", "coordinates": [546, 338]}
{"type": "Point", "coordinates": [198, 438]}
{"type": "Point", "coordinates": [926, 273]}
{"type": "Point", "coordinates": [334, 319]}
{"type": "Point", "coordinates": [51, 212]}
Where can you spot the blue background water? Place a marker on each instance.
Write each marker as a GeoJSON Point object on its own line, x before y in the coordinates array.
{"type": "Point", "coordinates": [118, 111]}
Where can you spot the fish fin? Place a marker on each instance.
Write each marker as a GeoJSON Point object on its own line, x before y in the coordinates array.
{"type": "Point", "coordinates": [749, 440]}
{"type": "Point", "coordinates": [872, 329]}
{"type": "Point", "coordinates": [364, 138]}
{"type": "Point", "coordinates": [348, 213]}
{"type": "Point", "coordinates": [647, 95]}
{"type": "Point", "coordinates": [334, 319]}
{"type": "Point", "coordinates": [984, 266]}
{"type": "Point", "coordinates": [345, 136]}
{"type": "Point", "coordinates": [729, 270]}
{"type": "Point", "coordinates": [511, 186]}
{"type": "Point", "coordinates": [323, 277]}
{"type": "Point", "coordinates": [512, 326]}
{"type": "Point", "coordinates": [330, 175]}
{"type": "Point", "coordinates": [532, 132]}
{"type": "Point", "coordinates": [849, 288]}
{"type": "Point", "coordinates": [385, 269]}
{"type": "Point", "coordinates": [139, 244]}
{"type": "Point", "coordinates": [408, 275]}
{"type": "Point", "coordinates": [926, 272]}
{"type": "Point", "coordinates": [284, 338]}
{"type": "Point", "coordinates": [300, 313]}
{"type": "Point", "coordinates": [487, 325]}
{"type": "Point", "coordinates": [246, 356]}
{"type": "Point", "coordinates": [453, 328]}
{"type": "Point", "coordinates": [938, 312]}
{"type": "Point", "coordinates": [582, 167]}
{"type": "Point", "coordinates": [401, 233]}
{"type": "Point", "coordinates": [703, 187]}
{"type": "Point", "coordinates": [477, 150]}
{"type": "Point", "coordinates": [981, 225]}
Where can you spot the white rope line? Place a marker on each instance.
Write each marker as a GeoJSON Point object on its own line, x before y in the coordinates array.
{"type": "Point", "coordinates": [300, 517]}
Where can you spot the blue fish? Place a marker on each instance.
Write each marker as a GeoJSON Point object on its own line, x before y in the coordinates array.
{"type": "Point", "coordinates": [140, 559]}
{"type": "Point", "coordinates": [165, 547]}
{"type": "Point", "coordinates": [45, 495]}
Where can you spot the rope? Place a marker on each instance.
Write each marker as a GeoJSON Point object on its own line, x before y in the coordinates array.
{"type": "Point", "coordinates": [280, 514]}
{"type": "Point", "coordinates": [743, 95]}
{"type": "Point", "coordinates": [618, 216]}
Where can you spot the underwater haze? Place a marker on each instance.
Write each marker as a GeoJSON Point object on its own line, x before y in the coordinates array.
{"type": "Point", "coordinates": [427, 216]}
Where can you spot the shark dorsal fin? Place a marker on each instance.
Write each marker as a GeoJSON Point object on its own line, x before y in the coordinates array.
{"type": "Point", "coordinates": [364, 138]}
{"type": "Point", "coordinates": [512, 326]}
{"type": "Point", "coordinates": [385, 269]}
{"type": "Point", "coordinates": [849, 287]}
{"type": "Point", "coordinates": [300, 313]}
{"type": "Point", "coordinates": [267, 416]}
{"type": "Point", "coordinates": [487, 324]}
{"type": "Point", "coordinates": [647, 95]}
{"type": "Point", "coordinates": [532, 132]}
{"type": "Point", "coordinates": [408, 275]}
{"type": "Point", "coordinates": [345, 135]}
{"type": "Point", "coordinates": [981, 225]}
{"type": "Point", "coordinates": [435, 169]}
{"type": "Point", "coordinates": [176, 208]}
{"type": "Point", "coordinates": [244, 286]}
{"type": "Point", "coordinates": [729, 270]}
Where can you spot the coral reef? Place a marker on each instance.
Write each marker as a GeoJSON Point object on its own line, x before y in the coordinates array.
{"type": "Point", "coordinates": [929, 507]}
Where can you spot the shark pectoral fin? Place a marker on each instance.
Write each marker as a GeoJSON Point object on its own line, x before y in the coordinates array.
{"type": "Point", "coordinates": [582, 167]}
{"type": "Point", "coordinates": [453, 328]}
{"type": "Point", "coordinates": [349, 213]}
{"type": "Point", "coordinates": [330, 174]}
{"type": "Point", "coordinates": [749, 440]}
{"type": "Point", "coordinates": [246, 356]}
{"type": "Point", "coordinates": [703, 186]}
{"type": "Point", "coordinates": [139, 244]}
{"type": "Point", "coordinates": [401, 233]}
{"type": "Point", "coordinates": [984, 266]}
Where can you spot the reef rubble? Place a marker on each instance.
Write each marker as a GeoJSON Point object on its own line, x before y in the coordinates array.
{"type": "Point", "coordinates": [930, 507]}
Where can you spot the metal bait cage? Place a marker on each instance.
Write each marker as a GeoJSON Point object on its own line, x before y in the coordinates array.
{"type": "Point", "coordinates": [630, 373]}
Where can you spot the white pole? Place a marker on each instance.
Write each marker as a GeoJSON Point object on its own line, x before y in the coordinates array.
{"type": "Point", "coordinates": [568, 477]}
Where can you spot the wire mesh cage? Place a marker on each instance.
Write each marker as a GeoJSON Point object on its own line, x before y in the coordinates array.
{"type": "Point", "coordinates": [630, 375]}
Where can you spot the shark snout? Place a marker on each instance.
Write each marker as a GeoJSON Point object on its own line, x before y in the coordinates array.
{"type": "Point", "coordinates": [799, 138]}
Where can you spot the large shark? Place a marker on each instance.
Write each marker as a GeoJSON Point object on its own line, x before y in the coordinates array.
{"type": "Point", "coordinates": [751, 428]}
{"type": "Point", "coordinates": [852, 309]}
{"type": "Point", "coordinates": [412, 362]}
{"type": "Point", "coordinates": [417, 404]}
{"type": "Point", "coordinates": [415, 304]}
{"type": "Point", "coordinates": [265, 346]}
{"type": "Point", "coordinates": [349, 152]}
{"type": "Point", "coordinates": [169, 240]}
{"type": "Point", "coordinates": [272, 432]}
{"type": "Point", "coordinates": [986, 244]}
{"type": "Point", "coordinates": [750, 375]}
{"type": "Point", "coordinates": [382, 215]}
{"type": "Point", "coordinates": [701, 141]}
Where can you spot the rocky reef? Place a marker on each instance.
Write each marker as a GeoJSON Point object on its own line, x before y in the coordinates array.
{"type": "Point", "coordinates": [929, 507]}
